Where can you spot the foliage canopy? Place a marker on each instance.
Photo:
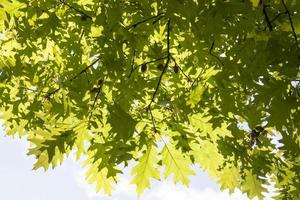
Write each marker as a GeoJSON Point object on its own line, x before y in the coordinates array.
{"type": "Point", "coordinates": [169, 84]}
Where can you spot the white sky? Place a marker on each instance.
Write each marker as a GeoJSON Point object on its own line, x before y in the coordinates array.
{"type": "Point", "coordinates": [18, 181]}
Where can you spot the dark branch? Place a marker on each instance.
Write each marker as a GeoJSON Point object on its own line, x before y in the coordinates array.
{"type": "Point", "coordinates": [189, 79]}
{"type": "Point", "coordinates": [149, 62]}
{"type": "Point", "coordinates": [213, 55]}
{"type": "Point", "coordinates": [267, 19]}
{"type": "Point", "coordinates": [85, 69]}
{"type": "Point", "coordinates": [95, 100]}
{"type": "Point", "coordinates": [277, 16]}
{"type": "Point", "coordinates": [165, 67]}
{"type": "Point", "coordinates": [75, 9]}
{"type": "Point", "coordinates": [49, 94]}
{"type": "Point", "coordinates": [156, 17]}
{"type": "Point", "coordinates": [132, 63]}
{"type": "Point", "coordinates": [291, 22]}
{"type": "Point", "coordinates": [152, 120]}
{"type": "Point", "coordinates": [81, 36]}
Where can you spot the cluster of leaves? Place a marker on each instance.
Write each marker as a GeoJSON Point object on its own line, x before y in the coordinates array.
{"type": "Point", "coordinates": [164, 83]}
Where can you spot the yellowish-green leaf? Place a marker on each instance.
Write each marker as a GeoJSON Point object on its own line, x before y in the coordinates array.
{"type": "Point", "coordinates": [176, 163]}
{"type": "Point", "coordinates": [42, 161]}
{"type": "Point", "coordinates": [201, 122]}
{"type": "Point", "coordinates": [255, 2]}
{"type": "Point", "coordinates": [82, 134]}
{"type": "Point", "coordinates": [229, 178]}
{"type": "Point", "coordinates": [196, 95]}
{"type": "Point", "coordinates": [253, 186]}
{"type": "Point", "coordinates": [207, 156]}
{"type": "Point", "coordinates": [100, 177]}
{"type": "Point", "coordinates": [145, 169]}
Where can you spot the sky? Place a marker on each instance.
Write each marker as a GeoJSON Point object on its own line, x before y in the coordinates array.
{"type": "Point", "coordinates": [19, 181]}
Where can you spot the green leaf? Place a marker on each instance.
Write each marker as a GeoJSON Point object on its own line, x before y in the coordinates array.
{"type": "Point", "coordinates": [121, 122]}
{"type": "Point", "coordinates": [71, 82]}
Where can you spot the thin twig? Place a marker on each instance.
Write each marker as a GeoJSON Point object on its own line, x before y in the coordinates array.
{"type": "Point", "coordinates": [277, 16]}
{"type": "Point", "coordinates": [81, 36]}
{"type": "Point", "coordinates": [96, 97]}
{"type": "Point", "coordinates": [152, 120]}
{"type": "Point", "coordinates": [156, 20]}
{"type": "Point", "coordinates": [189, 79]}
{"type": "Point", "coordinates": [85, 69]}
{"type": "Point", "coordinates": [75, 9]}
{"type": "Point", "coordinates": [149, 62]}
{"type": "Point", "coordinates": [196, 79]}
{"type": "Point", "coordinates": [212, 54]}
{"type": "Point", "coordinates": [267, 19]}
{"type": "Point", "coordinates": [158, 16]}
{"type": "Point", "coordinates": [95, 100]}
{"type": "Point", "coordinates": [165, 67]}
{"type": "Point", "coordinates": [49, 94]}
{"type": "Point", "coordinates": [291, 22]}
{"type": "Point", "coordinates": [132, 63]}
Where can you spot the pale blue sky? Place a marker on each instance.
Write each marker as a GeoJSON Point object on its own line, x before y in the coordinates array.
{"type": "Point", "coordinates": [18, 181]}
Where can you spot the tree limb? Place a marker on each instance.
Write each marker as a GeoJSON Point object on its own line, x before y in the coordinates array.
{"type": "Point", "coordinates": [165, 67]}
{"type": "Point", "coordinates": [267, 19]}
{"type": "Point", "coordinates": [152, 61]}
{"type": "Point", "coordinates": [213, 55]}
{"type": "Point", "coordinates": [156, 17]}
{"type": "Point", "coordinates": [75, 9]}
{"type": "Point", "coordinates": [85, 69]}
{"type": "Point", "coordinates": [291, 22]}
{"type": "Point", "coordinates": [188, 78]}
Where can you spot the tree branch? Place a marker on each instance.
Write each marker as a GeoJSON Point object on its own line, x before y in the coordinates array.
{"type": "Point", "coordinates": [277, 16]}
{"type": "Point", "coordinates": [152, 120]}
{"type": "Point", "coordinates": [156, 17]}
{"type": "Point", "coordinates": [267, 19]}
{"type": "Point", "coordinates": [213, 55]}
{"type": "Point", "coordinates": [99, 89]}
{"type": "Point", "coordinates": [165, 67]}
{"type": "Point", "coordinates": [189, 79]}
{"type": "Point", "coordinates": [75, 9]}
{"type": "Point", "coordinates": [49, 94]}
{"type": "Point", "coordinates": [84, 69]}
{"type": "Point", "coordinates": [152, 61]}
{"type": "Point", "coordinates": [291, 22]}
